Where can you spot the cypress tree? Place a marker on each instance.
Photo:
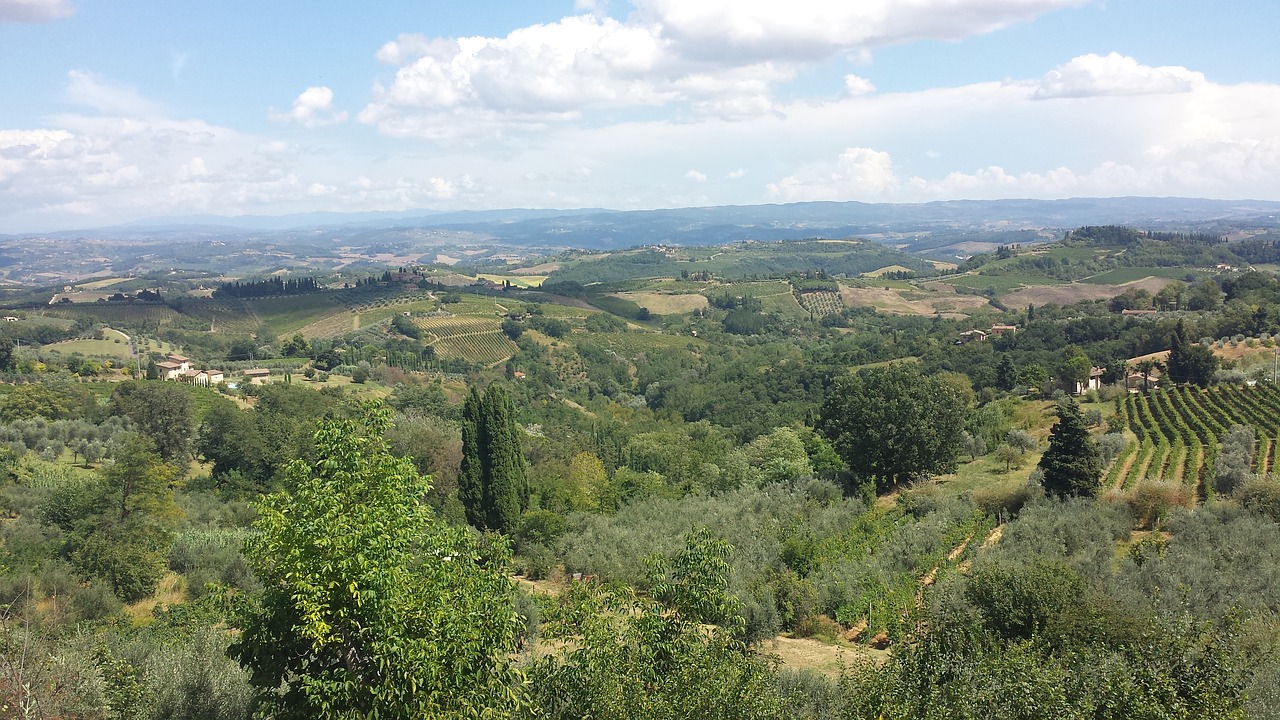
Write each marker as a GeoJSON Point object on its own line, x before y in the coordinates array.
{"type": "Point", "coordinates": [471, 474]}
{"type": "Point", "coordinates": [1070, 464]}
{"type": "Point", "coordinates": [491, 483]}
{"type": "Point", "coordinates": [505, 487]}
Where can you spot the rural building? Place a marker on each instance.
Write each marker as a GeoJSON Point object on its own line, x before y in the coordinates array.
{"type": "Point", "coordinates": [973, 336]}
{"type": "Point", "coordinates": [1093, 383]}
{"type": "Point", "coordinates": [1134, 382]}
{"type": "Point", "coordinates": [1000, 329]}
{"type": "Point", "coordinates": [257, 376]}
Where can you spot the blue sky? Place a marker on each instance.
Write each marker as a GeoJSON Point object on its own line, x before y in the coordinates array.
{"type": "Point", "coordinates": [117, 111]}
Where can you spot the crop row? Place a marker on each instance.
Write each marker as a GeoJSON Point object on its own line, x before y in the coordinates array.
{"type": "Point", "coordinates": [821, 302]}
{"type": "Point", "coordinates": [1179, 430]}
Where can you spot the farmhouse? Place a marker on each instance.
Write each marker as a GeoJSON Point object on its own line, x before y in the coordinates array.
{"type": "Point", "coordinates": [1000, 329]}
{"type": "Point", "coordinates": [174, 367]}
{"type": "Point", "coordinates": [257, 376]}
{"type": "Point", "coordinates": [973, 335]}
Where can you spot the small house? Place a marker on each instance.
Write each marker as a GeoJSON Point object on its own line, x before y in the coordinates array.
{"type": "Point", "coordinates": [170, 370]}
{"type": "Point", "coordinates": [257, 376]}
{"type": "Point", "coordinates": [1001, 329]}
{"type": "Point", "coordinates": [972, 336]}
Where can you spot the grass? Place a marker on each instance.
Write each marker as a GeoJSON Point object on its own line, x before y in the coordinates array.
{"type": "Point", "coordinates": [662, 303]}
{"type": "Point", "coordinates": [118, 349]}
{"type": "Point", "coordinates": [524, 281]}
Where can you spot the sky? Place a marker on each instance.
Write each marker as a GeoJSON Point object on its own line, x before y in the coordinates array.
{"type": "Point", "coordinates": [114, 112]}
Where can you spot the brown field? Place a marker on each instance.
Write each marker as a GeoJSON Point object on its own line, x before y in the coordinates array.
{"type": "Point", "coordinates": [926, 301]}
{"type": "Point", "coordinates": [1078, 292]}
{"type": "Point", "coordinates": [666, 303]}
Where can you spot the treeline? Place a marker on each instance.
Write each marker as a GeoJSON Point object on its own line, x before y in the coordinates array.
{"type": "Point", "coordinates": [1109, 235]}
{"type": "Point", "coordinates": [266, 288]}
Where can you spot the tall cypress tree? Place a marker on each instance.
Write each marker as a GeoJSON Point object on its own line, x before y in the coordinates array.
{"type": "Point", "coordinates": [471, 474]}
{"type": "Point", "coordinates": [505, 485]}
{"type": "Point", "coordinates": [491, 482]}
{"type": "Point", "coordinates": [1070, 464]}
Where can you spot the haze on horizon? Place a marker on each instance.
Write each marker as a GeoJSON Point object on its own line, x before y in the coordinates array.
{"type": "Point", "coordinates": [117, 112]}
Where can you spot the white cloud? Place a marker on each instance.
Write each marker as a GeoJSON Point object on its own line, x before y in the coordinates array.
{"type": "Point", "coordinates": [747, 31]}
{"type": "Point", "coordinates": [737, 174]}
{"type": "Point", "coordinates": [32, 11]}
{"type": "Point", "coordinates": [1113, 74]}
{"type": "Point", "coordinates": [859, 174]}
{"type": "Point", "coordinates": [696, 176]}
{"type": "Point", "coordinates": [720, 58]}
{"type": "Point", "coordinates": [856, 85]}
{"type": "Point", "coordinates": [312, 108]}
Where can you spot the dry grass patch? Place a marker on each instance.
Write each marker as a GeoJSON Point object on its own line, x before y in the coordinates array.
{"type": "Point", "coordinates": [1079, 292]}
{"type": "Point", "coordinates": [666, 303]}
{"type": "Point", "coordinates": [819, 656]}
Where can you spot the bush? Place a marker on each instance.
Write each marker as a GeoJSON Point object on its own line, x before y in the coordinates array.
{"type": "Point", "coordinates": [1152, 501]}
{"type": "Point", "coordinates": [1261, 495]}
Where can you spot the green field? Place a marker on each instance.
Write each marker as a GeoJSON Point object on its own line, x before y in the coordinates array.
{"type": "Point", "coordinates": [998, 283]}
{"type": "Point", "coordinates": [117, 348]}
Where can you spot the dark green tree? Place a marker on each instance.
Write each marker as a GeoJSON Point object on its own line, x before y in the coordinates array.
{"type": "Point", "coordinates": [162, 412]}
{"type": "Point", "coordinates": [1189, 362]}
{"type": "Point", "coordinates": [1006, 373]}
{"type": "Point", "coordinates": [1070, 464]}
{"type": "Point", "coordinates": [894, 424]}
{"type": "Point", "coordinates": [471, 471]}
{"type": "Point", "coordinates": [492, 484]}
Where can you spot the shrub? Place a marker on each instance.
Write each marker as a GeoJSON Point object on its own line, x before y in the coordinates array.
{"type": "Point", "coordinates": [1261, 495]}
{"type": "Point", "coordinates": [1152, 500]}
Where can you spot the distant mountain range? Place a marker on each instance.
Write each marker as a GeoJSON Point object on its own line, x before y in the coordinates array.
{"type": "Point", "coordinates": [918, 227]}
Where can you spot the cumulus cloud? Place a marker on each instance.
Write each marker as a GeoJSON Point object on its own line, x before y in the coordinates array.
{"type": "Point", "coordinates": [1113, 74]}
{"type": "Point", "coordinates": [717, 58]}
{"type": "Point", "coordinates": [696, 176]}
{"type": "Point", "coordinates": [855, 85]}
{"type": "Point", "coordinates": [859, 174]}
{"type": "Point", "coordinates": [312, 108]}
{"type": "Point", "coordinates": [34, 11]}
{"type": "Point", "coordinates": [746, 31]}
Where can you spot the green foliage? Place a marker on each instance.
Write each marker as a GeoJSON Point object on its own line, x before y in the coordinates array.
{"type": "Point", "coordinates": [371, 607]}
{"type": "Point", "coordinates": [492, 484]}
{"type": "Point", "coordinates": [1070, 464]}
{"type": "Point", "coordinates": [633, 657]}
{"type": "Point", "coordinates": [894, 424]}
{"type": "Point", "coordinates": [162, 411]}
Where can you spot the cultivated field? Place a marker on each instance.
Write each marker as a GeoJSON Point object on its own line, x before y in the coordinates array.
{"type": "Point", "coordinates": [661, 303]}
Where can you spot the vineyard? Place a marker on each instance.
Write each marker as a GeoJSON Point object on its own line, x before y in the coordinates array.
{"type": "Point", "coordinates": [821, 302]}
{"type": "Point", "coordinates": [475, 339]}
{"type": "Point", "coordinates": [1178, 432]}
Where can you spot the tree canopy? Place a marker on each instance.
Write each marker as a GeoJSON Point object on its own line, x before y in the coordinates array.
{"type": "Point", "coordinates": [371, 607]}
{"type": "Point", "coordinates": [894, 424]}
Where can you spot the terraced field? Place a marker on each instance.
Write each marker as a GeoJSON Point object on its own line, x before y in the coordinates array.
{"type": "Point", "coordinates": [475, 339]}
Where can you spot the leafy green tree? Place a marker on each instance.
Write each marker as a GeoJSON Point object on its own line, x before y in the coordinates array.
{"type": "Point", "coordinates": [1075, 371]}
{"type": "Point", "coordinates": [1070, 464]}
{"type": "Point", "coordinates": [33, 400]}
{"type": "Point", "coordinates": [162, 412]}
{"type": "Point", "coordinates": [117, 530]}
{"type": "Point", "coordinates": [634, 658]}
{"type": "Point", "coordinates": [894, 424]}
{"type": "Point", "coordinates": [370, 606]}
{"type": "Point", "coordinates": [492, 484]}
